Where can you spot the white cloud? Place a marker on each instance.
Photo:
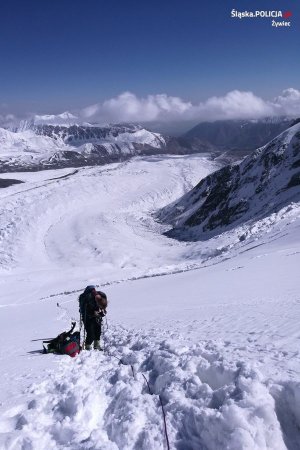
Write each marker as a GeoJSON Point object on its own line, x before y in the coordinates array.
{"type": "Point", "coordinates": [289, 102]}
{"type": "Point", "coordinates": [235, 104]}
{"type": "Point", "coordinates": [127, 107]}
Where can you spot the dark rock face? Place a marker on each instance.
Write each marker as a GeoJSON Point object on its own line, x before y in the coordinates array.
{"type": "Point", "coordinates": [294, 181]}
{"type": "Point", "coordinates": [6, 182]}
{"type": "Point", "coordinates": [238, 134]}
{"type": "Point", "coordinates": [217, 190]}
{"type": "Point", "coordinates": [262, 183]}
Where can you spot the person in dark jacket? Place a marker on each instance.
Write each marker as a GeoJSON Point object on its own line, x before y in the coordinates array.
{"type": "Point", "coordinates": [94, 311]}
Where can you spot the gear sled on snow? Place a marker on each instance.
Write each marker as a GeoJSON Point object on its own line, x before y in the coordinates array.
{"type": "Point", "coordinates": [66, 343]}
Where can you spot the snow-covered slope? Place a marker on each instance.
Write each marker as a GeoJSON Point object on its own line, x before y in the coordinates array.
{"type": "Point", "coordinates": [27, 150]}
{"type": "Point", "coordinates": [64, 119]}
{"type": "Point", "coordinates": [260, 185]}
{"type": "Point", "coordinates": [218, 344]}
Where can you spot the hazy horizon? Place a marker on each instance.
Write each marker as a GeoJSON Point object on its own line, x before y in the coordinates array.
{"type": "Point", "coordinates": [122, 60]}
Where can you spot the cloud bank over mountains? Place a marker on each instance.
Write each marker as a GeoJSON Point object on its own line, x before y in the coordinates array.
{"type": "Point", "coordinates": [128, 107]}
{"type": "Point", "coordinates": [234, 105]}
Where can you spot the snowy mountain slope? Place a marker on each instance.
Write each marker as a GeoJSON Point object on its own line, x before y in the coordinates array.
{"type": "Point", "coordinates": [262, 183]}
{"type": "Point", "coordinates": [26, 141]}
{"type": "Point", "coordinates": [27, 149]}
{"type": "Point", "coordinates": [219, 343]}
{"type": "Point", "coordinates": [64, 119]}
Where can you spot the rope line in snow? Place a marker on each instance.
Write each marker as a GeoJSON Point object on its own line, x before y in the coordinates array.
{"type": "Point", "coordinates": [163, 411]}
{"type": "Point", "coordinates": [147, 382]}
{"type": "Point", "coordinates": [165, 422]}
{"type": "Point", "coordinates": [148, 385]}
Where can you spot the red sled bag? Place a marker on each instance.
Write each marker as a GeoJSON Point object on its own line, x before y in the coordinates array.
{"type": "Point", "coordinates": [70, 348]}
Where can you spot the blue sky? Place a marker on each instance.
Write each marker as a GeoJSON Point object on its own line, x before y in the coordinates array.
{"type": "Point", "coordinates": [67, 54]}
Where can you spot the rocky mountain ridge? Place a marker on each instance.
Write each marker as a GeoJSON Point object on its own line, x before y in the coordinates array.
{"type": "Point", "coordinates": [262, 183]}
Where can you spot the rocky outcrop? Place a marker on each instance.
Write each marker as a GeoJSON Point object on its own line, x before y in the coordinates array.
{"type": "Point", "coordinates": [6, 182]}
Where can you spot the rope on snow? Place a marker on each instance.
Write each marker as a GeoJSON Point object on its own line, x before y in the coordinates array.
{"type": "Point", "coordinates": [149, 389]}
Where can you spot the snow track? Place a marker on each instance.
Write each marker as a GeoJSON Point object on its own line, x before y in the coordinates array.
{"type": "Point", "coordinates": [94, 402]}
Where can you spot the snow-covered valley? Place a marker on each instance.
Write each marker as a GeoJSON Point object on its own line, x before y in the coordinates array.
{"type": "Point", "coordinates": [213, 325]}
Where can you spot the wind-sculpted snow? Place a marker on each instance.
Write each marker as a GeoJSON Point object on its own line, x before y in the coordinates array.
{"type": "Point", "coordinates": [255, 188]}
{"type": "Point", "coordinates": [99, 402]}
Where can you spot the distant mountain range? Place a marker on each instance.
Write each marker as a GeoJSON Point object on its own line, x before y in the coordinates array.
{"type": "Point", "coordinates": [56, 141]}
{"type": "Point", "coordinates": [261, 184]}
{"type": "Point", "coordinates": [36, 147]}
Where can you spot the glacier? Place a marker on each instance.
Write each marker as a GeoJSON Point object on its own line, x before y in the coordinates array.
{"type": "Point", "coordinates": [212, 324]}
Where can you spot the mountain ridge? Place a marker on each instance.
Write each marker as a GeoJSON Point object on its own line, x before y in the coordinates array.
{"type": "Point", "coordinates": [262, 183]}
{"type": "Point", "coordinates": [38, 146]}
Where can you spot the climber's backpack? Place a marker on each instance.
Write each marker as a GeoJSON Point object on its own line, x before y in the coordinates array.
{"type": "Point", "coordinates": [83, 300]}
